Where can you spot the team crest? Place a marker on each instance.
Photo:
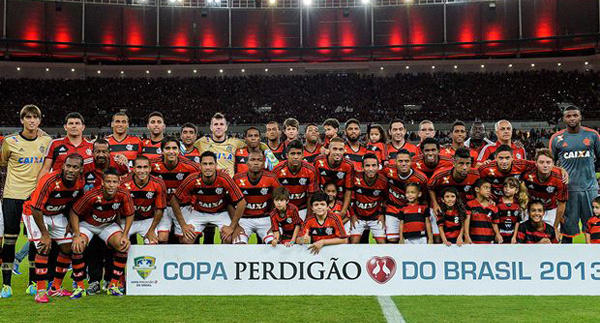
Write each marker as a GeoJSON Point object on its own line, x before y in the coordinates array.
{"type": "Point", "coordinates": [219, 190]}
{"type": "Point", "coordinates": [129, 147]}
{"type": "Point", "coordinates": [467, 188]}
{"type": "Point", "coordinates": [264, 191]}
{"type": "Point", "coordinates": [376, 192]}
{"type": "Point", "coordinates": [586, 141]}
{"type": "Point", "coordinates": [42, 149]}
{"type": "Point", "coordinates": [303, 181]}
{"type": "Point", "coordinates": [116, 206]}
{"type": "Point", "coordinates": [550, 189]}
{"type": "Point", "coordinates": [149, 195]}
{"type": "Point", "coordinates": [144, 266]}
{"type": "Point", "coordinates": [340, 175]}
{"type": "Point", "coordinates": [288, 220]}
{"type": "Point", "coordinates": [88, 151]}
{"type": "Point", "coordinates": [159, 151]}
{"type": "Point", "coordinates": [179, 176]}
{"type": "Point", "coordinates": [519, 156]}
{"type": "Point", "coordinates": [329, 231]}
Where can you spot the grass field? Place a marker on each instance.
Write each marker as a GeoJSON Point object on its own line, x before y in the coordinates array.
{"type": "Point", "coordinates": [488, 309]}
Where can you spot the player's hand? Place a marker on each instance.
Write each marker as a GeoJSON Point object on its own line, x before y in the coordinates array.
{"type": "Point", "coordinates": [227, 232]}
{"type": "Point", "coordinates": [78, 244]}
{"type": "Point", "coordinates": [316, 247]}
{"type": "Point", "coordinates": [565, 175]}
{"type": "Point", "coordinates": [343, 214]}
{"type": "Point", "coordinates": [545, 241]}
{"type": "Point", "coordinates": [124, 243]}
{"type": "Point", "coordinates": [305, 239]}
{"type": "Point", "coordinates": [188, 232]}
{"type": "Point", "coordinates": [274, 242]}
{"type": "Point", "coordinates": [353, 220]}
{"type": "Point", "coordinates": [151, 236]}
{"type": "Point", "coordinates": [448, 243]}
{"type": "Point", "coordinates": [289, 244]}
{"type": "Point", "coordinates": [381, 220]}
{"type": "Point", "coordinates": [468, 241]}
{"type": "Point", "coordinates": [437, 210]}
{"type": "Point", "coordinates": [45, 243]}
{"type": "Point", "coordinates": [459, 241]}
{"type": "Point", "coordinates": [121, 159]}
{"type": "Point", "coordinates": [499, 239]}
{"type": "Point", "coordinates": [401, 240]}
{"type": "Point", "coordinates": [513, 240]}
{"type": "Point", "coordinates": [68, 230]}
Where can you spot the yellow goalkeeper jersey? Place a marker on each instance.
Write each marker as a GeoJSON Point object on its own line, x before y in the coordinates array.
{"type": "Point", "coordinates": [225, 151]}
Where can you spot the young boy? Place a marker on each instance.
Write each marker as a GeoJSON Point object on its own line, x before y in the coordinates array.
{"type": "Point", "coordinates": [285, 220]}
{"type": "Point", "coordinates": [592, 229]}
{"type": "Point", "coordinates": [323, 228]}
{"type": "Point", "coordinates": [415, 226]}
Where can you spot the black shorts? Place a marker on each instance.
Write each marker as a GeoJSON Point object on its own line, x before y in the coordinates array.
{"type": "Point", "coordinates": [12, 210]}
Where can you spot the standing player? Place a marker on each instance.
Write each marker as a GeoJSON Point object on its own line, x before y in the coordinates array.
{"type": "Point", "coordinates": [477, 139]}
{"type": "Point", "coordinates": [257, 187]}
{"type": "Point", "coordinates": [354, 149]}
{"type": "Point", "coordinates": [252, 138]}
{"type": "Point", "coordinates": [101, 161]}
{"type": "Point", "coordinates": [458, 135]}
{"type": "Point", "coordinates": [23, 154]}
{"type": "Point", "coordinates": [209, 192]}
{"type": "Point", "coordinates": [504, 132]}
{"type": "Point", "coordinates": [312, 147]}
{"type": "Point", "coordinates": [430, 160]}
{"type": "Point", "coordinates": [397, 132]}
{"type": "Point", "coordinates": [149, 195]}
{"type": "Point", "coordinates": [97, 213]}
{"type": "Point", "coordinates": [369, 194]}
{"type": "Point", "coordinates": [189, 135]}
{"type": "Point", "coordinates": [156, 125]}
{"type": "Point", "coordinates": [502, 167]}
{"type": "Point", "coordinates": [122, 143]}
{"type": "Point", "coordinates": [298, 176]}
{"type": "Point", "coordinates": [426, 131]}
{"type": "Point", "coordinates": [334, 168]}
{"type": "Point", "coordinates": [44, 217]}
{"type": "Point", "coordinates": [576, 149]}
{"type": "Point", "coordinates": [173, 169]}
{"type": "Point", "coordinates": [274, 140]}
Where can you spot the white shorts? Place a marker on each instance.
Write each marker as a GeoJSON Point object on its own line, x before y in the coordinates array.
{"type": "Point", "coordinates": [200, 219]}
{"type": "Point", "coordinates": [377, 230]}
{"type": "Point", "coordinates": [140, 227]}
{"type": "Point", "coordinates": [167, 220]}
{"type": "Point", "coordinates": [434, 227]}
{"type": "Point", "coordinates": [347, 226]}
{"type": "Point", "coordinates": [392, 227]}
{"type": "Point", "coordinates": [421, 240]}
{"type": "Point", "coordinates": [104, 231]}
{"type": "Point", "coordinates": [260, 226]}
{"type": "Point", "coordinates": [302, 214]}
{"type": "Point", "coordinates": [550, 216]}
{"type": "Point", "coordinates": [56, 226]}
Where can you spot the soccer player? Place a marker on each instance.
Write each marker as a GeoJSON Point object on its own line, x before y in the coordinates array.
{"type": "Point", "coordinates": [397, 132]}
{"type": "Point", "coordinates": [504, 133]}
{"type": "Point", "coordinates": [592, 228]}
{"type": "Point", "coordinates": [122, 143]}
{"type": "Point", "coordinates": [398, 177]}
{"type": "Point", "coordinates": [334, 168]}
{"type": "Point", "coordinates": [93, 172]}
{"type": "Point", "coordinates": [22, 153]}
{"type": "Point", "coordinates": [149, 195]}
{"type": "Point", "coordinates": [173, 169]}
{"type": "Point", "coordinates": [502, 167]}
{"type": "Point", "coordinates": [252, 138]}
{"type": "Point", "coordinates": [156, 125]}
{"type": "Point", "coordinates": [481, 224]}
{"type": "Point", "coordinates": [285, 221]}
{"type": "Point", "coordinates": [291, 127]}
{"type": "Point", "coordinates": [298, 176]}
{"type": "Point", "coordinates": [415, 223]}
{"type": "Point", "coordinates": [324, 228]}
{"type": "Point", "coordinates": [274, 140]}
{"type": "Point", "coordinates": [45, 220]}
{"type": "Point", "coordinates": [477, 139]}
{"type": "Point", "coordinates": [312, 147]}
{"type": "Point", "coordinates": [209, 192]}
{"type": "Point", "coordinates": [430, 160]}
{"type": "Point", "coordinates": [331, 127]}
{"type": "Point", "coordinates": [73, 142]}
{"type": "Point", "coordinates": [97, 213]}
{"type": "Point", "coordinates": [189, 135]}
{"type": "Point", "coordinates": [458, 135]}
{"type": "Point", "coordinates": [257, 187]}
{"type": "Point", "coordinates": [545, 183]}
{"type": "Point", "coordinates": [224, 147]}
{"type": "Point", "coordinates": [369, 192]}
{"type": "Point", "coordinates": [354, 149]}
{"type": "Point", "coordinates": [576, 149]}
{"type": "Point", "coordinates": [426, 131]}
{"type": "Point", "coordinates": [535, 230]}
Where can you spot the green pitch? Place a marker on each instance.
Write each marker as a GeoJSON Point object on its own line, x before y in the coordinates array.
{"type": "Point", "coordinates": [488, 309]}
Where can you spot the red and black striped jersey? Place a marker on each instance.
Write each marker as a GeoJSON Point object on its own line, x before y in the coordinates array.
{"type": "Point", "coordinates": [192, 155]}
{"type": "Point", "coordinates": [146, 199]}
{"type": "Point", "coordinates": [300, 184]}
{"type": "Point", "coordinates": [310, 156]}
{"type": "Point", "coordinates": [487, 152]}
{"type": "Point", "coordinates": [52, 196]}
{"type": "Point", "coordinates": [355, 156]}
{"type": "Point", "coordinates": [451, 222]}
{"type": "Point", "coordinates": [509, 214]}
{"type": "Point", "coordinates": [497, 177]}
{"type": "Point", "coordinates": [92, 175]}
{"type": "Point", "coordinates": [341, 175]}
{"type": "Point", "coordinates": [393, 151]}
{"type": "Point", "coordinates": [528, 233]}
{"type": "Point", "coordinates": [329, 228]}
{"type": "Point", "coordinates": [336, 208]}
{"type": "Point", "coordinates": [96, 210]}
{"type": "Point", "coordinates": [448, 151]}
{"type": "Point", "coordinates": [380, 150]}
{"type": "Point", "coordinates": [130, 146]}
{"type": "Point", "coordinates": [443, 178]}
{"type": "Point", "coordinates": [258, 195]}
{"type": "Point", "coordinates": [593, 229]}
{"type": "Point", "coordinates": [482, 217]}
{"type": "Point", "coordinates": [368, 198]}
{"type": "Point", "coordinates": [209, 197]}
{"type": "Point", "coordinates": [419, 164]}
{"type": "Point", "coordinates": [550, 192]}
{"type": "Point", "coordinates": [62, 147]}
{"type": "Point", "coordinates": [173, 177]}
{"type": "Point", "coordinates": [241, 160]}
{"type": "Point", "coordinates": [397, 188]}
{"type": "Point", "coordinates": [414, 219]}
{"type": "Point", "coordinates": [151, 149]}
{"type": "Point", "coordinates": [278, 151]}
{"type": "Point", "coordinates": [287, 223]}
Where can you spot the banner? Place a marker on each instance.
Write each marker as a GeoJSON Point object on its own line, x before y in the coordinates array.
{"type": "Point", "coordinates": [364, 270]}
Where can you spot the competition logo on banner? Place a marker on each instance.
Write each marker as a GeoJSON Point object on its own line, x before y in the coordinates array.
{"type": "Point", "coordinates": [144, 266]}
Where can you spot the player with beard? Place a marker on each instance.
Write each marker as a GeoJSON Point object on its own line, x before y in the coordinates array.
{"type": "Point", "coordinates": [122, 143]}
{"type": "Point", "coordinates": [101, 161]}
{"type": "Point", "coordinates": [398, 176]}
{"type": "Point", "coordinates": [156, 125]}
{"type": "Point", "coordinates": [426, 131]}
{"type": "Point", "coordinates": [312, 147]}
{"type": "Point", "coordinates": [189, 135]}
{"type": "Point", "coordinates": [431, 161]}
{"type": "Point", "coordinates": [252, 138]}
{"type": "Point", "coordinates": [354, 149]}
{"type": "Point", "coordinates": [458, 135]}
{"type": "Point", "coordinates": [504, 132]}
{"type": "Point", "coordinates": [334, 168]}
{"type": "Point", "coordinates": [397, 132]}
{"type": "Point", "coordinates": [274, 140]}
{"type": "Point", "coordinates": [477, 139]}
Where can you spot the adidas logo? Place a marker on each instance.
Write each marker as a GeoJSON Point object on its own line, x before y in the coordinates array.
{"type": "Point", "coordinates": [245, 192]}
{"type": "Point", "coordinates": [323, 173]}
{"type": "Point", "coordinates": [62, 149]}
{"type": "Point", "coordinates": [90, 176]}
{"type": "Point", "coordinates": [21, 150]}
{"type": "Point", "coordinates": [285, 181]}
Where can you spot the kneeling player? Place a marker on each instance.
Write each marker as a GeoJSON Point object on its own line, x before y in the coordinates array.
{"type": "Point", "coordinates": [323, 228]}
{"type": "Point", "coordinates": [96, 213]}
{"type": "Point", "coordinates": [45, 220]}
{"type": "Point", "coordinates": [209, 193]}
{"type": "Point", "coordinates": [285, 220]}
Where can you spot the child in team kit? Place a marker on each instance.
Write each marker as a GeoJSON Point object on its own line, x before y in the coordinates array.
{"type": "Point", "coordinates": [511, 207]}
{"type": "Point", "coordinates": [451, 221]}
{"type": "Point", "coordinates": [323, 228]}
{"type": "Point", "coordinates": [285, 220]}
{"type": "Point", "coordinates": [592, 228]}
{"type": "Point", "coordinates": [481, 225]}
{"type": "Point", "coordinates": [535, 230]}
{"type": "Point", "coordinates": [415, 225]}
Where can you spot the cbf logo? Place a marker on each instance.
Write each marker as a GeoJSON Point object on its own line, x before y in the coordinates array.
{"type": "Point", "coordinates": [144, 266]}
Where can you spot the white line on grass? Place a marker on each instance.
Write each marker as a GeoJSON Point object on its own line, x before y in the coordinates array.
{"type": "Point", "coordinates": [390, 310]}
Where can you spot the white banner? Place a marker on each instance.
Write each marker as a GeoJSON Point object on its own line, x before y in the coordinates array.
{"type": "Point", "coordinates": [364, 270]}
